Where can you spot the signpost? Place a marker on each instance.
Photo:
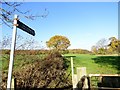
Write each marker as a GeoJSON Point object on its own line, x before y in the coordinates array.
{"type": "Point", "coordinates": [25, 28]}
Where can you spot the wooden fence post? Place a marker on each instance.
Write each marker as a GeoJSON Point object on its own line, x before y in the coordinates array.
{"type": "Point", "coordinates": [72, 72]}
{"type": "Point", "coordinates": [13, 84]}
{"type": "Point", "coordinates": [75, 81]}
{"type": "Point", "coordinates": [81, 71]}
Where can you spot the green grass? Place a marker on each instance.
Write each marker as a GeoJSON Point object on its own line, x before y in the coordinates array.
{"type": "Point", "coordinates": [92, 65]}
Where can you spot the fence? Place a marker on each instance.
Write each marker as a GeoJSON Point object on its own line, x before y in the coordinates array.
{"type": "Point", "coordinates": [84, 81]}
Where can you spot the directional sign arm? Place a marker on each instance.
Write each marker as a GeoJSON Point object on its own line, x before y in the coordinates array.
{"type": "Point", "coordinates": [25, 28]}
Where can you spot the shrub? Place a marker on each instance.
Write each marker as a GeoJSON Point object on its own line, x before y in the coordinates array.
{"type": "Point", "coordinates": [47, 73]}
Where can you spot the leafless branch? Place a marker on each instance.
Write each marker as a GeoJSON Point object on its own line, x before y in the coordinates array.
{"type": "Point", "coordinates": [6, 15]}
{"type": "Point", "coordinates": [21, 43]}
{"type": "Point", "coordinates": [6, 23]}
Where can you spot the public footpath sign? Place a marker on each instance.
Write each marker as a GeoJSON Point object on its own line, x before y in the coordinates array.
{"type": "Point", "coordinates": [20, 25]}
{"type": "Point", "coordinates": [25, 28]}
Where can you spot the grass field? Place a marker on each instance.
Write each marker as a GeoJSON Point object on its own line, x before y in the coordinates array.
{"type": "Point", "coordinates": [94, 64]}
{"type": "Point", "coordinates": [97, 64]}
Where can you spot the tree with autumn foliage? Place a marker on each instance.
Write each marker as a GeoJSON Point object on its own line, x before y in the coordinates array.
{"type": "Point", "coordinates": [104, 46]}
{"type": "Point", "coordinates": [58, 42]}
{"type": "Point", "coordinates": [114, 45]}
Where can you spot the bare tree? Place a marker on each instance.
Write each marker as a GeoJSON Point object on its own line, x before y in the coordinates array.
{"type": "Point", "coordinates": [21, 43]}
{"type": "Point", "coordinates": [8, 9]}
{"type": "Point", "coordinates": [94, 49]}
{"type": "Point", "coordinates": [27, 44]}
{"type": "Point", "coordinates": [102, 43]}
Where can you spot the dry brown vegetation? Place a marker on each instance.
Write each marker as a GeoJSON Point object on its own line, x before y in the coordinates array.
{"type": "Point", "coordinates": [47, 73]}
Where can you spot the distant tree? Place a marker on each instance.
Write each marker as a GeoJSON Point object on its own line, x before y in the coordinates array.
{"type": "Point", "coordinates": [21, 43]}
{"type": "Point", "coordinates": [102, 51]}
{"type": "Point", "coordinates": [94, 49]}
{"type": "Point", "coordinates": [112, 39]}
{"type": "Point", "coordinates": [102, 46]}
{"type": "Point", "coordinates": [114, 44]}
{"type": "Point", "coordinates": [102, 43]}
{"type": "Point", "coordinates": [58, 42]}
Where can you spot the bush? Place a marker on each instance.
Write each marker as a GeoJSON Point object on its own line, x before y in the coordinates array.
{"type": "Point", "coordinates": [47, 73]}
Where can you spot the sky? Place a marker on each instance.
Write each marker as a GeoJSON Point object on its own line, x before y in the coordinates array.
{"type": "Point", "coordinates": [83, 23]}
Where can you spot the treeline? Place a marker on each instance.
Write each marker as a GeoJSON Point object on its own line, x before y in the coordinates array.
{"type": "Point", "coordinates": [27, 52]}
{"type": "Point", "coordinates": [79, 51]}
{"type": "Point", "coordinates": [37, 52]}
{"type": "Point", "coordinates": [107, 46]}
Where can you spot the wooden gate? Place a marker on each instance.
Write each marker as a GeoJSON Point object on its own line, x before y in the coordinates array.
{"type": "Point", "coordinates": [84, 81]}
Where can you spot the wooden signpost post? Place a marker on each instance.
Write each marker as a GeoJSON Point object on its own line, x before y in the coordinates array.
{"type": "Point", "coordinates": [16, 24]}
